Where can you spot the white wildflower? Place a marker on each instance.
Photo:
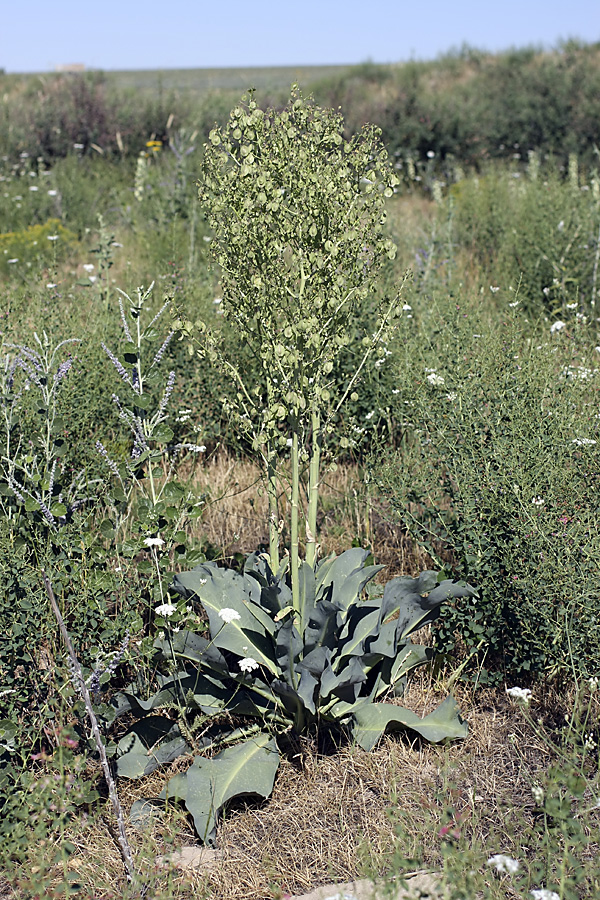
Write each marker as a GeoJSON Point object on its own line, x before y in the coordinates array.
{"type": "Point", "coordinates": [14, 260]}
{"type": "Point", "coordinates": [451, 396]}
{"type": "Point", "coordinates": [51, 284]}
{"type": "Point", "coordinates": [52, 193]}
{"type": "Point", "coordinates": [228, 615]}
{"type": "Point", "coordinates": [557, 326]}
{"type": "Point", "coordinates": [154, 542]}
{"type": "Point", "coordinates": [494, 289]}
{"type": "Point", "coordinates": [571, 305]}
{"type": "Point", "coordinates": [165, 609]}
{"type": "Point", "coordinates": [582, 442]}
{"type": "Point", "coordinates": [52, 237]}
{"type": "Point", "coordinates": [33, 187]}
{"type": "Point", "coordinates": [537, 792]}
{"type": "Point", "coordinates": [512, 305]}
{"type": "Point", "coordinates": [435, 379]}
{"type": "Point", "coordinates": [248, 664]}
{"type": "Point", "coordinates": [537, 501]}
{"type": "Point", "coordinates": [544, 894]}
{"type": "Point", "coordinates": [593, 683]}
{"type": "Point", "coordinates": [505, 864]}
{"type": "Point", "coordinates": [89, 267]}
{"type": "Point", "coordinates": [520, 695]}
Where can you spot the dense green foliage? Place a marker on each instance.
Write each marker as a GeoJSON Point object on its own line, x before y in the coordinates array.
{"type": "Point", "coordinates": [497, 473]}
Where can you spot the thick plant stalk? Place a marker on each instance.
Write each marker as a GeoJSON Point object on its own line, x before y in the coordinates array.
{"type": "Point", "coordinates": [273, 511]}
{"type": "Point", "coordinates": [126, 854]}
{"type": "Point", "coordinates": [294, 530]}
{"type": "Point", "coordinates": [313, 488]}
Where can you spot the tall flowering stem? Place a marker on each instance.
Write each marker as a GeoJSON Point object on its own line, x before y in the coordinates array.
{"type": "Point", "coordinates": [298, 214]}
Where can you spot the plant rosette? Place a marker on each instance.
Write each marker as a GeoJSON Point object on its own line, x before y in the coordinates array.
{"type": "Point", "coordinates": [277, 670]}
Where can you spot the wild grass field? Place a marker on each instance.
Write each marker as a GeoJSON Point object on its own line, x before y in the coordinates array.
{"type": "Point", "coordinates": [295, 418]}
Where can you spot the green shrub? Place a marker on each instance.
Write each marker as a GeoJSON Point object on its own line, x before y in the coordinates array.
{"type": "Point", "coordinates": [498, 474]}
{"type": "Point", "coordinates": [538, 233]}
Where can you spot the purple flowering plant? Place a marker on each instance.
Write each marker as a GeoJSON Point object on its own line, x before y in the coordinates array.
{"type": "Point", "coordinates": [148, 504]}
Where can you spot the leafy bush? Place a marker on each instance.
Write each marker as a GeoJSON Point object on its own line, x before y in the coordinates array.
{"type": "Point", "coordinates": [538, 234]}
{"type": "Point", "coordinates": [55, 116]}
{"type": "Point", "coordinates": [473, 106]}
{"type": "Point", "coordinates": [498, 474]}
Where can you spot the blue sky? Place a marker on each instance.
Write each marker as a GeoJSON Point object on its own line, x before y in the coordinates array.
{"type": "Point", "coordinates": [160, 34]}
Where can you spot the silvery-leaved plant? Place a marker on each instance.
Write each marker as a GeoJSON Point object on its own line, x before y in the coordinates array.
{"type": "Point", "coordinates": [266, 669]}
{"type": "Point", "coordinates": [35, 484]}
{"type": "Point", "coordinates": [297, 212]}
{"type": "Point", "coordinates": [147, 498]}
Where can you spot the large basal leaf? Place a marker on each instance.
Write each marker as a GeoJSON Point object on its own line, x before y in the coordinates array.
{"type": "Point", "coordinates": [310, 671]}
{"type": "Point", "coordinates": [372, 719]}
{"type": "Point", "coordinates": [342, 580]}
{"type": "Point", "coordinates": [275, 593]}
{"type": "Point", "coordinates": [149, 743]}
{"type": "Point", "coordinates": [288, 647]}
{"type": "Point", "coordinates": [195, 689]}
{"type": "Point", "coordinates": [248, 769]}
{"type": "Point", "coordinates": [345, 684]}
{"type": "Point", "coordinates": [320, 630]}
{"type": "Point", "coordinates": [193, 648]}
{"type": "Point", "coordinates": [417, 600]}
{"type": "Point", "coordinates": [219, 589]}
{"type": "Point", "coordinates": [363, 623]}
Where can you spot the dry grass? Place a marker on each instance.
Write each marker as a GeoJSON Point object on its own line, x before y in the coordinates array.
{"type": "Point", "coordinates": [236, 514]}
{"type": "Point", "coordinates": [338, 812]}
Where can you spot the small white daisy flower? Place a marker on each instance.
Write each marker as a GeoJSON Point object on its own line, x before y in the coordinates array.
{"type": "Point", "coordinates": [504, 864]}
{"type": "Point", "coordinates": [228, 615]}
{"type": "Point", "coordinates": [248, 664]}
{"type": "Point", "coordinates": [520, 695]}
{"type": "Point", "coordinates": [165, 609]}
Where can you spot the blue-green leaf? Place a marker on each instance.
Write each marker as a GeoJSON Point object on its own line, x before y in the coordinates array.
{"type": "Point", "coordinates": [247, 769]}
{"type": "Point", "coordinates": [148, 744]}
{"type": "Point", "coordinates": [372, 719]}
